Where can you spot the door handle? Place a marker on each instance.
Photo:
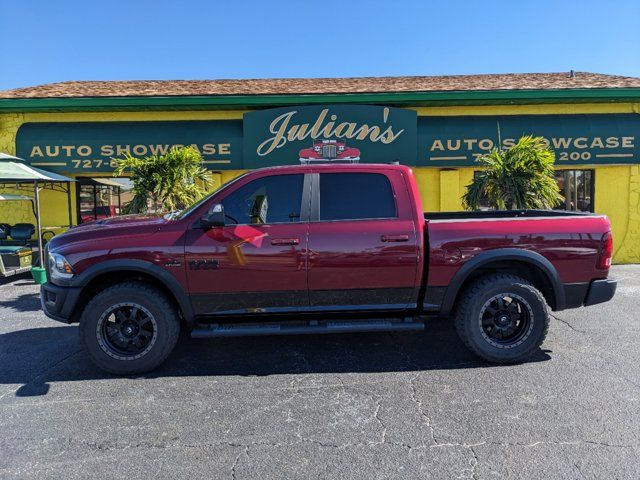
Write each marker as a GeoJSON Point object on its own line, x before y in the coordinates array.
{"type": "Point", "coordinates": [285, 241]}
{"type": "Point", "coordinates": [395, 238]}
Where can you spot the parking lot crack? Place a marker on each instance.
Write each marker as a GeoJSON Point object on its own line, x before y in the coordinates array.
{"type": "Point", "coordinates": [424, 417]}
{"type": "Point", "coordinates": [470, 471]}
{"type": "Point", "coordinates": [244, 452]}
{"type": "Point", "coordinates": [568, 324]}
{"type": "Point", "coordinates": [577, 468]}
{"type": "Point", "coordinates": [383, 427]}
{"type": "Point", "coordinates": [613, 445]}
{"type": "Point", "coordinates": [474, 463]}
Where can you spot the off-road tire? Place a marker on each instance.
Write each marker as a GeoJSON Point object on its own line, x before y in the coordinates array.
{"type": "Point", "coordinates": [151, 299]}
{"type": "Point", "coordinates": [469, 311]}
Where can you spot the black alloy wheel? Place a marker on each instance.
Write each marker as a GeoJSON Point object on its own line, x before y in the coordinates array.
{"type": "Point", "coordinates": [505, 319]}
{"type": "Point", "coordinates": [502, 318]}
{"type": "Point", "coordinates": [127, 331]}
{"type": "Point", "coordinates": [129, 328]}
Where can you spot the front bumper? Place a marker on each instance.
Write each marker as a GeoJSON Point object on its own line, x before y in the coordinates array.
{"type": "Point", "coordinates": [600, 291]}
{"type": "Point", "coordinates": [59, 303]}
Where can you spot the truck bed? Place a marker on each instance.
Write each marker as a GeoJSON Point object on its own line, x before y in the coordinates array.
{"type": "Point", "coordinates": [565, 243]}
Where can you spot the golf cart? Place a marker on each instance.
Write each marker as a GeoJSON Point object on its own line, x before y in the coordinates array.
{"type": "Point", "coordinates": [18, 253]}
{"type": "Point", "coordinates": [15, 252]}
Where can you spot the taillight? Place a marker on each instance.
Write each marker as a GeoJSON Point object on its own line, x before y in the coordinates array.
{"type": "Point", "coordinates": [606, 252]}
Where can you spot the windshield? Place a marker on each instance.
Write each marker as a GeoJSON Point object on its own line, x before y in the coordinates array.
{"type": "Point", "coordinates": [180, 214]}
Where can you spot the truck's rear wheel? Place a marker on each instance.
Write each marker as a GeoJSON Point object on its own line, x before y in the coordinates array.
{"type": "Point", "coordinates": [129, 328]}
{"type": "Point", "coordinates": [502, 318]}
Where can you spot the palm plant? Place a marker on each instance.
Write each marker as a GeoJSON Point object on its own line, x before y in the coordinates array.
{"type": "Point", "coordinates": [165, 182]}
{"type": "Point", "coordinates": [518, 178]}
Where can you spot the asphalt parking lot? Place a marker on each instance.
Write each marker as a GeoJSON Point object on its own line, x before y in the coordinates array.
{"type": "Point", "coordinates": [351, 406]}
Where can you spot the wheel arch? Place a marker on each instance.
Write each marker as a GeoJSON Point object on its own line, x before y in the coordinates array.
{"type": "Point", "coordinates": [526, 263]}
{"type": "Point", "coordinates": [111, 272]}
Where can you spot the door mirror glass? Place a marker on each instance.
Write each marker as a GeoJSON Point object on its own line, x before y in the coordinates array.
{"type": "Point", "coordinates": [214, 217]}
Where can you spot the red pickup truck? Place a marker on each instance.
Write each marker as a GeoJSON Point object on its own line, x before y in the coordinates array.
{"type": "Point", "coordinates": [322, 249]}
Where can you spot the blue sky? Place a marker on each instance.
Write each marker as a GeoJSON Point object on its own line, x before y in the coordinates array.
{"type": "Point", "coordinates": [50, 41]}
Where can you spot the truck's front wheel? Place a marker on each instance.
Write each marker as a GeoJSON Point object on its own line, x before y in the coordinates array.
{"type": "Point", "coordinates": [502, 318]}
{"type": "Point", "coordinates": [129, 328]}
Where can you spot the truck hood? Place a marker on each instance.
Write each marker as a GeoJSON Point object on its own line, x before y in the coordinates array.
{"type": "Point", "coordinates": [124, 225]}
{"type": "Point", "coordinates": [122, 220]}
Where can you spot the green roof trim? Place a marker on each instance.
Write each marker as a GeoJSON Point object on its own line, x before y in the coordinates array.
{"type": "Point", "coordinates": [435, 98]}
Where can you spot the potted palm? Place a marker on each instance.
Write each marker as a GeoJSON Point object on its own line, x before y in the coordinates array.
{"type": "Point", "coordinates": [165, 182]}
{"type": "Point", "coordinates": [518, 178]}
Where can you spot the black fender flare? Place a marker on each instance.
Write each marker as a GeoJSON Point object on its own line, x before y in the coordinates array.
{"type": "Point", "coordinates": [514, 254]}
{"type": "Point", "coordinates": [169, 281]}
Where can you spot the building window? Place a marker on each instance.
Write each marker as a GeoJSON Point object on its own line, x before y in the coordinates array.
{"type": "Point", "coordinates": [577, 187]}
{"type": "Point", "coordinates": [99, 198]}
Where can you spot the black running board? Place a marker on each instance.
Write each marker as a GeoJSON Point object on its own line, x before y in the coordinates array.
{"type": "Point", "coordinates": [307, 327]}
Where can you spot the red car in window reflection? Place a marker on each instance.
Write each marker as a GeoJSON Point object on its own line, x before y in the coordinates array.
{"type": "Point", "coordinates": [329, 150]}
{"type": "Point", "coordinates": [100, 213]}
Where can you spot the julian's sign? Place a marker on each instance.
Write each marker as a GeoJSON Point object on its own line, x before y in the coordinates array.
{"type": "Point", "coordinates": [364, 133]}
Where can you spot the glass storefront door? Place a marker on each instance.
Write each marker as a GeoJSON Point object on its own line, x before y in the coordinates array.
{"type": "Point", "coordinates": [576, 186]}
{"type": "Point", "coordinates": [99, 198]}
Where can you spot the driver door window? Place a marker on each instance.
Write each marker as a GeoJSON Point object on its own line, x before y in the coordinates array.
{"type": "Point", "coordinates": [267, 200]}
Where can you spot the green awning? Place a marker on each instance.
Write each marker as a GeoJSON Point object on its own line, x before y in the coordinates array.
{"type": "Point", "coordinates": [12, 169]}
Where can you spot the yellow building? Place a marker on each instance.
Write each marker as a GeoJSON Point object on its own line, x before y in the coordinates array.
{"type": "Point", "coordinates": [439, 125]}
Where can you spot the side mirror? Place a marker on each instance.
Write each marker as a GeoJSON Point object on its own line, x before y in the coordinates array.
{"type": "Point", "coordinates": [214, 217]}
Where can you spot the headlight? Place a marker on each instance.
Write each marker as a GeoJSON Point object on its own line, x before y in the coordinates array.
{"type": "Point", "coordinates": [59, 266]}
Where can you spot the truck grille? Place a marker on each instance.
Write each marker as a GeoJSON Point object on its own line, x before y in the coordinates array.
{"type": "Point", "coordinates": [329, 151]}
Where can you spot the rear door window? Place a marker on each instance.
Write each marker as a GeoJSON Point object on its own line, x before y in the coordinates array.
{"type": "Point", "coordinates": [356, 196]}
